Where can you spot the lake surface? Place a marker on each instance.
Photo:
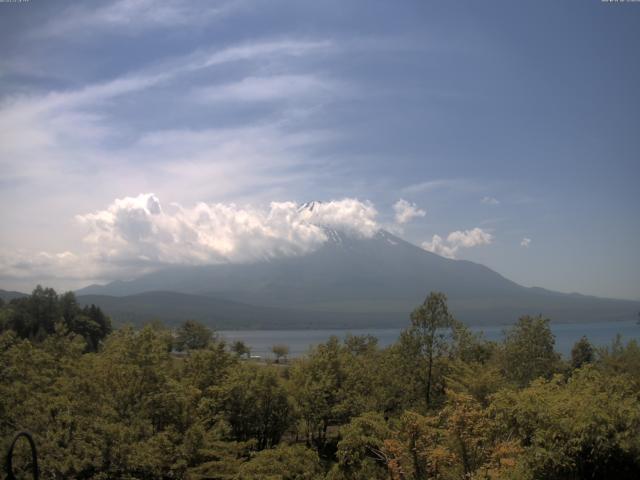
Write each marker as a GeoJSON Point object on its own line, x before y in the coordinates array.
{"type": "Point", "coordinates": [299, 341]}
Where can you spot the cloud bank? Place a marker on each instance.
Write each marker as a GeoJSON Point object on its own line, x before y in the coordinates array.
{"type": "Point", "coordinates": [457, 240]}
{"type": "Point", "coordinates": [134, 235]}
{"type": "Point", "coordinates": [138, 234]}
{"type": "Point", "coordinates": [139, 230]}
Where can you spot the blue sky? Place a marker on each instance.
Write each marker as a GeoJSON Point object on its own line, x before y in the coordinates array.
{"type": "Point", "coordinates": [495, 122]}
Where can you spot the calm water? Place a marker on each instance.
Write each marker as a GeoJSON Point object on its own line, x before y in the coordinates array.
{"type": "Point", "coordinates": [299, 341]}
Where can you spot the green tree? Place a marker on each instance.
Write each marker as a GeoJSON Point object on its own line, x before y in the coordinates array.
{"type": "Point", "coordinates": [40, 314]}
{"type": "Point", "coordinates": [581, 427]}
{"type": "Point", "coordinates": [284, 462]}
{"type": "Point", "coordinates": [192, 335]}
{"type": "Point", "coordinates": [361, 344]}
{"type": "Point", "coordinates": [253, 402]}
{"type": "Point", "coordinates": [479, 380]}
{"type": "Point", "coordinates": [280, 351]}
{"type": "Point", "coordinates": [240, 348]}
{"type": "Point", "coordinates": [361, 451]}
{"type": "Point", "coordinates": [426, 341]}
{"type": "Point", "coordinates": [621, 359]}
{"type": "Point", "coordinates": [528, 351]}
{"type": "Point", "coordinates": [582, 353]}
{"type": "Point", "coordinates": [34, 317]}
{"type": "Point", "coordinates": [206, 368]}
{"type": "Point", "coordinates": [317, 383]}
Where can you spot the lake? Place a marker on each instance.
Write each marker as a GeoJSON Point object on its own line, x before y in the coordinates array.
{"type": "Point", "coordinates": [299, 341]}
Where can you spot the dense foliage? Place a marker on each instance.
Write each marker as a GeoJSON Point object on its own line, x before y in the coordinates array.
{"type": "Point", "coordinates": [44, 311]}
{"type": "Point", "coordinates": [441, 403]}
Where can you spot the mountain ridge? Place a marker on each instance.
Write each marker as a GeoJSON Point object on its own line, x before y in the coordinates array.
{"type": "Point", "coordinates": [172, 307]}
{"type": "Point", "coordinates": [354, 275]}
{"type": "Point", "coordinates": [8, 295]}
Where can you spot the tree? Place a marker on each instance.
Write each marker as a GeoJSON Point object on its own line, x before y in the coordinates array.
{"type": "Point", "coordinates": [192, 335]}
{"type": "Point", "coordinates": [528, 351]}
{"type": "Point", "coordinates": [582, 353]}
{"type": "Point", "coordinates": [361, 452]}
{"type": "Point", "coordinates": [479, 380]}
{"type": "Point", "coordinates": [360, 344]}
{"type": "Point", "coordinates": [240, 348]}
{"type": "Point", "coordinates": [206, 368]}
{"type": "Point", "coordinates": [621, 359]}
{"type": "Point", "coordinates": [253, 402]}
{"type": "Point", "coordinates": [284, 462]}
{"type": "Point", "coordinates": [317, 383]}
{"type": "Point", "coordinates": [475, 451]}
{"type": "Point", "coordinates": [584, 426]}
{"type": "Point", "coordinates": [44, 310]}
{"type": "Point", "coordinates": [414, 450]}
{"type": "Point", "coordinates": [130, 409]}
{"type": "Point", "coordinates": [280, 351]}
{"type": "Point", "coordinates": [426, 339]}
{"type": "Point", "coordinates": [34, 317]}
{"type": "Point", "coordinates": [39, 315]}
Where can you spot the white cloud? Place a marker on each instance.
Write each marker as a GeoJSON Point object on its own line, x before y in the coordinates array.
{"type": "Point", "coordinates": [439, 246]}
{"type": "Point", "coordinates": [350, 215]}
{"type": "Point", "coordinates": [59, 142]}
{"type": "Point", "coordinates": [457, 240]}
{"type": "Point", "coordinates": [138, 234]}
{"type": "Point", "coordinates": [470, 238]}
{"type": "Point", "coordinates": [134, 235]}
{"type": "Point", "coordinates": [490, 201]}
{"type": "Point", "coordinates": [525, 242]}
{"type": "Point", "coordinates": [441, 184]}
{"type": "Point", "coordinates": [21, 264]}
{"type": "Point", "coordinates": [63, 150]}
{"type": "Point", "coordinates": [277, 87]}
{"type": "Point", "coordinates": [139, 228]}
{"type": "Point", "coordinates": [30, 122]}
{"type": "Point", "coordinates": [133, 16]}
{"type": "Point", "coordinates": [406, 211]}
{"type": "Point", "coordinates": [268, 50]}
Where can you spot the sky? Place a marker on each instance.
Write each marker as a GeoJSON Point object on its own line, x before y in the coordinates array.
{"type": "Point", "coordinates": [137, 134]}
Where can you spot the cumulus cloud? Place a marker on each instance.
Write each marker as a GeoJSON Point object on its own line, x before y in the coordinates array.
{"type": "Point", "coordinates": [406, 211]}
{"type": "Point", "coordinates": [439, 245]}
{"type": "Point", "coordinates": [457, 240]}
{"type": "Point", "coordinates": [139, 229]}
{"type": "Point", "coordinates": [490, 201]}
{"type": "Point", "coordinates": [470, 238]}
{"type": "Point", "coordinates": [525, 242]}
{"type": "Point", "coordinates": [135, 235]}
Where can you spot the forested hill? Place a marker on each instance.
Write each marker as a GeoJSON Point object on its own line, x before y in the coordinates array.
{"type": "Point", "coordinates": [173, 307]}
{"type": "Point", "coordinates": [7, 295]}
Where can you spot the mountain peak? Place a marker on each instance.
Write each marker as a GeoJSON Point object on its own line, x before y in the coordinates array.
{"type": "Point", "coordinates": [309, 206]}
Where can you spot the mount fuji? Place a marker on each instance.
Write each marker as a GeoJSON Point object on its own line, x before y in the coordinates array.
{"type": "Point", "coordinates": [350, 281]}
